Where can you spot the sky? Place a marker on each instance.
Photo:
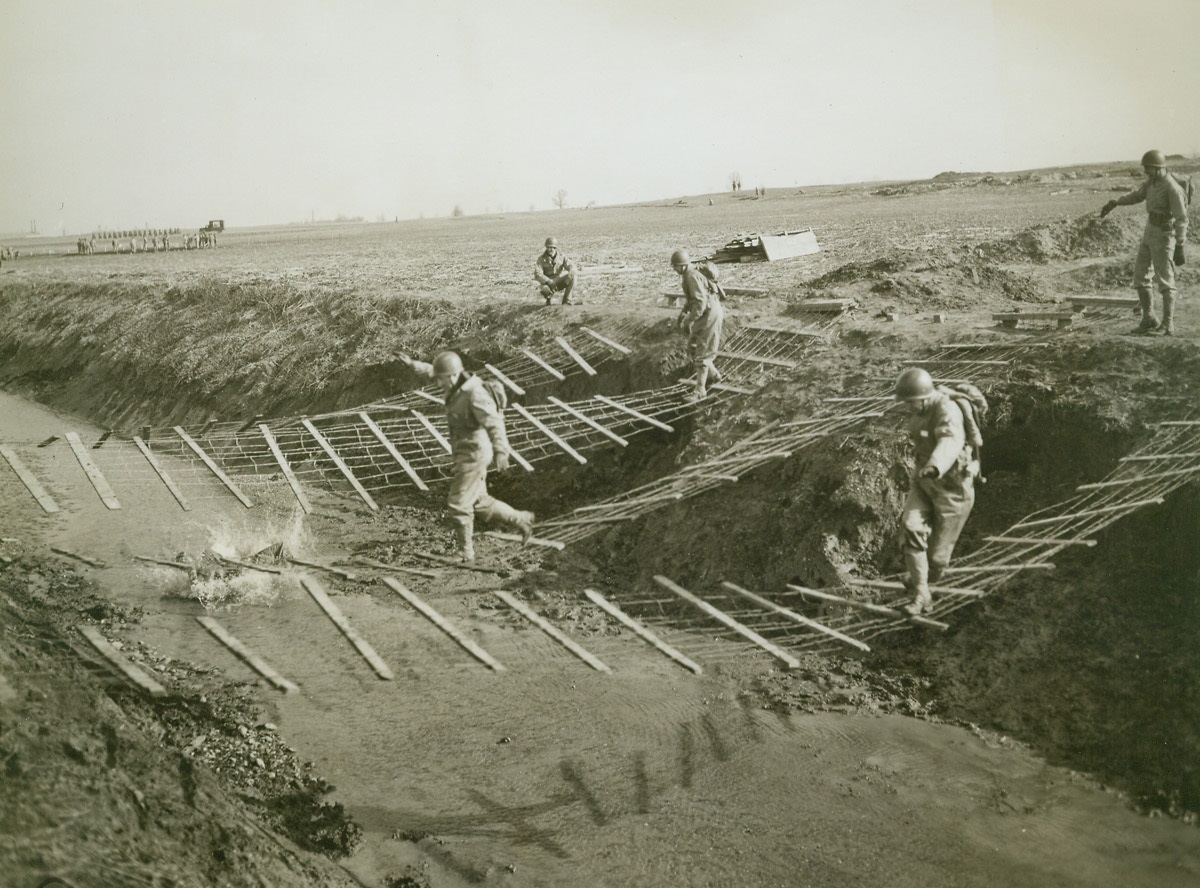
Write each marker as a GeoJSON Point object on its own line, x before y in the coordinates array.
{"type": "Point", "coordinates": [130, 113]}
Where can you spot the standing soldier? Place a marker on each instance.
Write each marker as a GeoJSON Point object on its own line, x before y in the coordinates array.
{"type": "Point", "coordinates": [702, 318]}
{"type": "Point", "coordinates": [476, 434]}
{"type": "Point", "coordinates": [1161, 248]}
{"type": "Point", "coordinates": [554, 271]}
{"type": "Point", "coordinates": [945, 431]}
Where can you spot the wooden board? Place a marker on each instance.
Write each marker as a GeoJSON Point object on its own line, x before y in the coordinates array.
{"type": "Point", "coordinates": [793, 616]}
{"type": "Point", "coordinates": [635, 413]}
{"type": "Point", "coordinates": [557, 375]}
{"type": "Point", "coordinates": [429, 426]}
{"type": "Point", "coordinates": [334, 613]}
{"type": "Point", "coordinates": [616, 346]}
{"type": "Point", "coordinates": [340, 463]}
{"type": "Point", "coordinates": [575, 356]}
{"type": "Point", "coordinates": [445, 625]}
{"type": "Point", "coordinates": [395, 454]}
{"type": "Point", "coordinates": [29, 480]}
{"type": "Point", "coordinates": [92, 471]}
{"type": "Point", "coordinates": [551, 630]}
{"type": "Point", "coordinates": [213, 467]}
{"type": "Point", "coordinates": [251, 659]}
{"type": "Point", "coordinates": [162, 474]}
{"type": "Point", "coordinates": [587, 420]}
{"type": "Point", "coordinates": [292, 480]}
{"type": "Point", "coordinates": [549, 433]}
{"type": "Point", "coordinates": [641, 631]}
{"type": "Point", "coordinates": [504, 379]}
{"type": "Point", "coordinates": [132, 672]}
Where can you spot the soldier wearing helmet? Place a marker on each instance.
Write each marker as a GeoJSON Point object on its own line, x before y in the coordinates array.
{"type": "Point", "coordinates": [477, 433]}
{"type": "Point", "coordinates": [702, 317]}
{"type": "Point", "coordinates": [1161, 248]}
{"type": "Point", "coordinates": [554, 273]}
{"type": "Point", "coordinates": [942, 485]}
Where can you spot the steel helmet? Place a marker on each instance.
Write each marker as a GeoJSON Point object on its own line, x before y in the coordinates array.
{"type": "Point", "coordinates": [1153, 159]}
{"type": "Point", "coordinates": [551, 242]}
{"type": "Point", "coordinates": [680, 257]}
{"type": "Point", "coordinates": [913, 383]}
{"type": "Point", "coordinates": [447, 364]}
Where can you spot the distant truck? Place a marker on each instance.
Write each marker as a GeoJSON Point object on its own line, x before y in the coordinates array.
{"type": "Point", "coordinates": [214, 225]}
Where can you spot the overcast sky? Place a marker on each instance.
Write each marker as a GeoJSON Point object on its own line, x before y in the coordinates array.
{"type": "Point", "coordinates": [124, 113]}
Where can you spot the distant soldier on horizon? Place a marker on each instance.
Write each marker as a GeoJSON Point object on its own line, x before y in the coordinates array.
{"type": "Point", "coordinates": [554, 272]}
{"type": "Point", "coordinates": [1161, 248]}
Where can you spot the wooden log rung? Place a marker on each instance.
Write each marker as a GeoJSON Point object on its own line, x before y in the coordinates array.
{"type": "Point", "coordinates": [587, 420]}
{"type": "Point", "coordinates": [445, 625]}
{"type": "Point", "coordinates": [616, 346]}
{"type": "Point", "coordinates": [251, 659]}
{"type": "Point", "coordinates": [1088, 513]}
{"type": "Point", "coordinates": [1149, 457]}
{"type": "Point", "coordinates": [550, 629]}
{"type": "Point", "coordinates": [999, 568]}
{"type": "Point", "coordinates": [99, 482]}
{"type": "Point", "coordinates": [550, 433]}
{"type": "Point", "coordinates": [899, 587]}
{"type": "Point", "coordinates": [532, 541]}
{"type": "Point", "coordinates": [635, 413]}
{"type": "Point", "coordinates": [213, 467]}
{"type": "Point", "coordinates": [342, 467]}
{"type": "Point", "coordinates": [641, 631]}
{"type": "Point", "coordinates": [575, 356]}
{"type": "Point", "coordinates": [504, 379]}
{"type": "Point", "coordinates": [917, 362]}
{"type": "Point", "coordinates": [1138, 479]}
{"type": "Point", "coordinates": [29, 480]}
{"type": "Point", "coordinates": [1038, 541]}
{"type": "Point", "coordinates": [758, 359]}
{"type": "Point", "coordinates": [868, 606]}
{"type": "Point", "coordinates": [852, 417]}
{"type": "Point", "coordinates": [335, 614]}
{"type": "Point", "coordinates": [745, 631]}
{"type": "Point", "coordinates": [795, 617]}
{"type": "Point", "coordinates": [640, 501]}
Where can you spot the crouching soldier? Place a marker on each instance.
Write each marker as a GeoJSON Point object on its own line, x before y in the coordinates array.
{"type": "Point", "coordinates": [476, 434]}
{"type": "Point", "coordinates": [944, 427]}
{"type": "Point", "coordinates": [554, 273]}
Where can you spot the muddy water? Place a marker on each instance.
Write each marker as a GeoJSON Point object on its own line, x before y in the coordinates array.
{"type": "Point", "coordinates": [552, 774]}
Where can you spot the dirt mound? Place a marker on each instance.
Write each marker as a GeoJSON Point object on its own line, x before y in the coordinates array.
{"type": "Point", "coordinates": [1084, 236]}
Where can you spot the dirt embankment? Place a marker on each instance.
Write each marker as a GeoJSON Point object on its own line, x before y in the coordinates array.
{"type": "Point", "coordinates": [103, 787]}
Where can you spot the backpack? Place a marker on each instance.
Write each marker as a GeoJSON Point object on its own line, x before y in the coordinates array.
{"type": "Point", "coordinates": [498, 392]}
{"type": "Point", "coordinates": [1185, 183]}
{"type": "Point", "coordinates": [709, 270]}
{"type": "Point", "coordinates": [974, 407]}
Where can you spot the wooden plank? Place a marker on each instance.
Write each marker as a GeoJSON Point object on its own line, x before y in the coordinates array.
{"type": "Point", "coordinates": [638, 501]}
{"type": "Point", "coordinates": [255, 662]}
{"type": "Point", "coordinates": [180, 565]}
{"type": "Point", "coordinates": [587, 420]}
{"type": "Point", "coordinates": [337, 461]}
{"type": "Point", "coordinates": [92, 471]}
{"type": "Point", "coordinates": [1149, 457]}
{"type": "Point", "coordinates": [745, 631]}
{"type": "Point", "coordinates": [752, 457]}
{"type": "Point", "coordinates": [1033, 316]}
{"type": "Point", "coordinates": [733, 389]}
{"type": "Point", "coordinates": [292, 480]}
{"type": "Point", "coordinates": [550, 629]}
{"type": "Point", "coordinates": [437, 436]}
{"type": "Point", "coordinates": [213, 467]}
{"type": "Point", "coordinates": [1137, 479]}
{"type": "Point", "coordinates": [334, 613]}
{"type": "Point", "coordinates": [834, 306]}
{"type": "Point", "coordinates": [641, 631]}
{"type": "Point", "coordinates": [746, 291]}
{"type": "Point", "coordinates": [758, 359]}
{"type": "Point", "coordinates": [845, 418]}
{"type": "Point", "coordinates": [532, 541]}
{"type": "Point", "coordinates": [616, 346]}
{"type": "Point", "coordinates": [868, 606]}
{"type": "Point", "coordinates": [94, 562]}
{"type": "Point", "coordinates": [1178, 422]}
{"type": "Point", "coordinates": [518, 459]}
{"type": "Point", "coordinates": [395, 453]}
{"type": "Point", "coordinates": [557, 375]}
{"type": "Point", "coordinates": [445, 625]}
{"type": "Point", "coordinates": [549, 433]}
{"type": "Point", "coordinates": [998, 568]}
{"type": "Point", "coordinates": [504, 379]}
{"type": "Point", "coordinates": [371, 562]}
{"type": "Point", "coordinates": [29, 480]}
{"type": "Point", "coordinates": [759, 325]}
{"type": "Point", "coordinates": [643, 417]}
{"type": "Point", "coordinates": [1104, 301]}
{"type": "Point", "coordinates": [795, 617]}
{"type": "Point", "coordinates": [899, 587]}
{"type": "Point", "coordinates": [452, 562]}
{"type": "Point", "coordinates": [597, 519]}
{"type": "Point", "coordinates": [336, 571]}
{"type": "Point", "coordinates": [918, 361]}
{"type": "Point", "coordinates": [247, 565]}
{"type": "Point", "coordinates": [162, 474]}
{"type": "Point", "coordinates": [132, 672]}
{"type": "Point", "coordinates": [428, 396]}
{"type": "Point", "coordinates": [575, 356]}
{"type": "Point", "coordinates": [1036, 541]}
{"type": "Point", "coordinates": [1088, 513]}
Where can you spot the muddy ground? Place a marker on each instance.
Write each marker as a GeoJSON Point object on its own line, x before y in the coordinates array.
{"type": "Point", "coordinates": [1092, 668]}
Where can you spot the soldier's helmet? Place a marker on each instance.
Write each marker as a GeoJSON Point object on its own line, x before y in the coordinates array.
{"type": "Point", "coordinates": [551, 242]}
{"type": "Point", "coordinates": [447, 364]}
{"type": "Point", "coordinates": [913, 384]}
{"type": "Point", "coordinates": [680, 257]}
{"type": "Point", "coordinates": [1154, 158]}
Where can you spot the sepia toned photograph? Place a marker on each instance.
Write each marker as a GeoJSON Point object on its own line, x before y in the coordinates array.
{"type": "Point", "coordinates": [622, 444]}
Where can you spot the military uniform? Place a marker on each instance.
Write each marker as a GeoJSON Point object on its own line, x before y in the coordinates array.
{"type": "Point", "coordinates": [1166, 226]}
{"type": "Point", "coordinates": [936, 508]}
{"type": "Point", "coordinates": [554, 273]}
{"type": "Point", "coordinates": [702, 317]}
{"type": "Point", "coordinates": [477, 433]}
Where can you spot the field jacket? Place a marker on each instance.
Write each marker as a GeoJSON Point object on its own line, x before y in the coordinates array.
{"type": "Point", "coordinates": [1165, 202]}
{"type": "Point", "coordinates": [547, 268]}
{"type": "Point", "coordinates": [939, 437]}
{"type": "Point", "coordinates": [476, 426]}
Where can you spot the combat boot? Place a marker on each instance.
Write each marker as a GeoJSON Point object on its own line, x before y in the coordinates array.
{"type": "Point", "coordinates": [1149, 321]}
{"type": "Point", "coordinates": [1167, 327]}
{"type": "Point", "coordinates": [523, 524]}
{"type": "Point", "coordinates": [919, 605]}
{"type": "Point", "coordinates": [466, 543]}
